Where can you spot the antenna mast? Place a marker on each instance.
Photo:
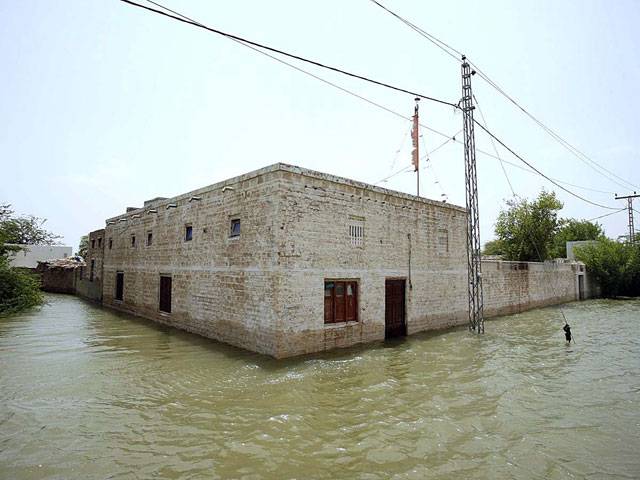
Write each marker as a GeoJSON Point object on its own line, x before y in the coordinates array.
{"type": "Point", "coordinates": [415, 155]}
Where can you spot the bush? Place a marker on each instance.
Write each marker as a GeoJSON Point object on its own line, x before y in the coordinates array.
{"type": "Point", "coordinates": [616, 266]}
{"type": "Point", "coordinates": [18, 290]}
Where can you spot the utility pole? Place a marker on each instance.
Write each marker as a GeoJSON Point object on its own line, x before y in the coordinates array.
{"type": "Point", "coordinates": [632, 231]}
{"type": "Point", "coordinates": [415, 137]}
{"type": "Point", "coordinates": [474, 264]}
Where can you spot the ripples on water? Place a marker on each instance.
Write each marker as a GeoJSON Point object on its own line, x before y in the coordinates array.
{"type": "Point", "coordinates": [87, 393]}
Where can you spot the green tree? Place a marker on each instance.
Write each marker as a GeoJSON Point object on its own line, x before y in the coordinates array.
{"type": "Point", "coordinates": [572, 230]}
{"type": "Point", "coordinates": [526, 229]}
{"type": "Point", "coordinates": [18, 289]}
{"type": "Point", "coordinates": [616, 266]}
{"type": "Point", "coordinates": [83, 247]}
{"type": "Point", "coordinates": [493, 247]}
{"type": "Point", "coordinates": [27, 230]}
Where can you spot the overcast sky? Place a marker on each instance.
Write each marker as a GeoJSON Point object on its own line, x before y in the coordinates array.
{"type": "Point", "coordinates": [105, 105]}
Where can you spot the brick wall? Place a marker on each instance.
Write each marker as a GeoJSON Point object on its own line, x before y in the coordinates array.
{"type": "Point", "coordinates": [223, 287]}
{"type": "Point", "coordinates": [89, 285]}
{"type": "Point", "coordinates": [58, 280]}
{"type": "Point", "coordinates": [264, 290]}
{"type": "Point", "coordinates": [400, 241]}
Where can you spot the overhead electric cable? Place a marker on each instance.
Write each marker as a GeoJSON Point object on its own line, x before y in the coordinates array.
{"type": "Point", "coordinates": [572, 149]}
{"type": "Point", "coordinates": [495, 149]}
{"type": "Point", "coordinates": [606, 215]}
{"type": "Point", "coordinates": [375, 104]}
{"type": "Point", "coordinates": [408, 168]}
{"type": "Point", "coordinates": [397, 154]}
{"type": "Point", "coordinates": [436, 41]}
{"type": "Point", "coordinates": [538, 171]}
{"type": "Point", "coordinates": [184, 19]}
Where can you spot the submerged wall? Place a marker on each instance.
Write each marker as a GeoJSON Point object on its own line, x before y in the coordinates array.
{"type": "Point", "coordinates": [513, 287]}
{"type": "Point", "coordinates": [265, 286]}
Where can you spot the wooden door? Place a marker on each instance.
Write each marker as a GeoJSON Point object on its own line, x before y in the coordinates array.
{"type": "Point", "coordinates": [394, 309]}
{"type": "Point", "coordinates": [120, 286]}
{"type": "Point", "coordinates": [165, 294]}
{"type": "Point", "coordinates": [580, 287]}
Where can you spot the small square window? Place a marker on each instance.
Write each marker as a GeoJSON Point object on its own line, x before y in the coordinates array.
{"type": "Point", "coordinates": [188, 233]}
{"type": "Point", "coordinates": [93, 243]}
{"type": "Point", "coordinates": [99, 242]}
{"type": "Point", "coordinates": [235, 228]}
{"type": "Point", "coordinates": [149, 239]}
{"type": "Point", "coordinates": [133, 240]}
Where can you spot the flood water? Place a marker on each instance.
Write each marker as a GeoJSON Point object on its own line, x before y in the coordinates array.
{"type": "Point", "coordinates": [89, 394]}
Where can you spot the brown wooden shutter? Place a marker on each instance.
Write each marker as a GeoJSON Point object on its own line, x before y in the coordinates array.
{"type": "Point", "coordinates": [352, 301]}
{"type": "Point", "coordinates": [329, 306]}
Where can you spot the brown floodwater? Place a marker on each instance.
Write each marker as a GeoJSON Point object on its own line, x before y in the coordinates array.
{"type": "Point", "coordinates": [86, 393]}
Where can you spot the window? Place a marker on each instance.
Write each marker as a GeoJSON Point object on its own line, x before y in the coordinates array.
{"type": "Point", "coordinates": [165, 294]}
{"type": "Point", "coordinates": [443, 240]}
{"type": "Point", "coordinates": [120, 286]}
{"type": "Point", "coordinates": [188, 233]}
{"type": "Point", "coordinates": [110, 243]}
{"type": "Point", "coordinates": [356, 231]}
{"type": "Point", "coordinates": [149, 239]}
{"type": "Point", "coordinates": [133, 240]}
{"type": "Point", "coordinates": [235, 228]}
{"type": "Point", "coordinates": [93, 265]}
{"type": "Point", "coordinates": [93, 243]}
{"type": "Point", "coordinates": [81, 273]}
{"type": "Point", "coordinates": [100, 242]}
{"type": "Point", "coordinates": [340, 301]}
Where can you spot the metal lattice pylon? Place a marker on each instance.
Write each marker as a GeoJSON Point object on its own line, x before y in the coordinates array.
{"type": "Point", "coordinates": [474, 266]}
{"type": "Point", "coordinates": [632, 228]}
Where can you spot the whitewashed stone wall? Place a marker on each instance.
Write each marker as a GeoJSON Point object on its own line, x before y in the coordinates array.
{"type": "Point", "coordinates": [264, 291]}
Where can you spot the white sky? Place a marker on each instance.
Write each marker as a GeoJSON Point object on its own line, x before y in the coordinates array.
{"type": "Point", "coordinates": [105, 105]}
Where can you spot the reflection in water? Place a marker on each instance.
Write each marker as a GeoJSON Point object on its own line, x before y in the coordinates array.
{"type": "Point", "coordinates": [89, 393]}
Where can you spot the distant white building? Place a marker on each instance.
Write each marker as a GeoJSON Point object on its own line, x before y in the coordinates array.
{"type": "Point", "coordinates": [578, 243]}
{"type": "Point", "coordinates": [29, 255]}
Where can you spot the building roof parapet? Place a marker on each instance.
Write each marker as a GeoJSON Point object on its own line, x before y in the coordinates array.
{"type": "Point", "coordinates": [227, 185]}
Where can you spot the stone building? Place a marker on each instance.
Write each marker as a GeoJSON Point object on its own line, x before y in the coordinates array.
{"type": "Point", "coordinates": [286, 261]}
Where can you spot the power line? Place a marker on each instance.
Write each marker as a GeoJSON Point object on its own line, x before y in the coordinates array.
{"type": "Point", "coordinates": [365, 99]}
{"type": "Point", "coordinates": [568, 146]}
{"type": "Point", "coordinates": [408, 168]}
{"type": "Point", "coordinates": [571, 148]}
{"type": "Point", "coordinates": [538, 171]}
{"type": "Point", "coordinates": [184, 19]}
{"type": "Point", "coordinates": [495, 149]}
{"type": "Point", "coordinates": [433, 168]}
{"type": "Point", "coordinates": [525, 169]}
{"type": "Point", "coordinates": [404, 169]}
{"type": "Point", "coordinates": [605, 215]}
{"type": "Point", "coordinates": [437, 42]}
{"type": "Point", "coordinates": [395, 157]}
{"type": "Point", "coordinates": [331, 84]}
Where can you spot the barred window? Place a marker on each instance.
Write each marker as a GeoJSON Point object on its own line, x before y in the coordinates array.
{"type": "Point", "coordinates": [356, 231]}
{"type": "Point", "coordinates": [443, 240]}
